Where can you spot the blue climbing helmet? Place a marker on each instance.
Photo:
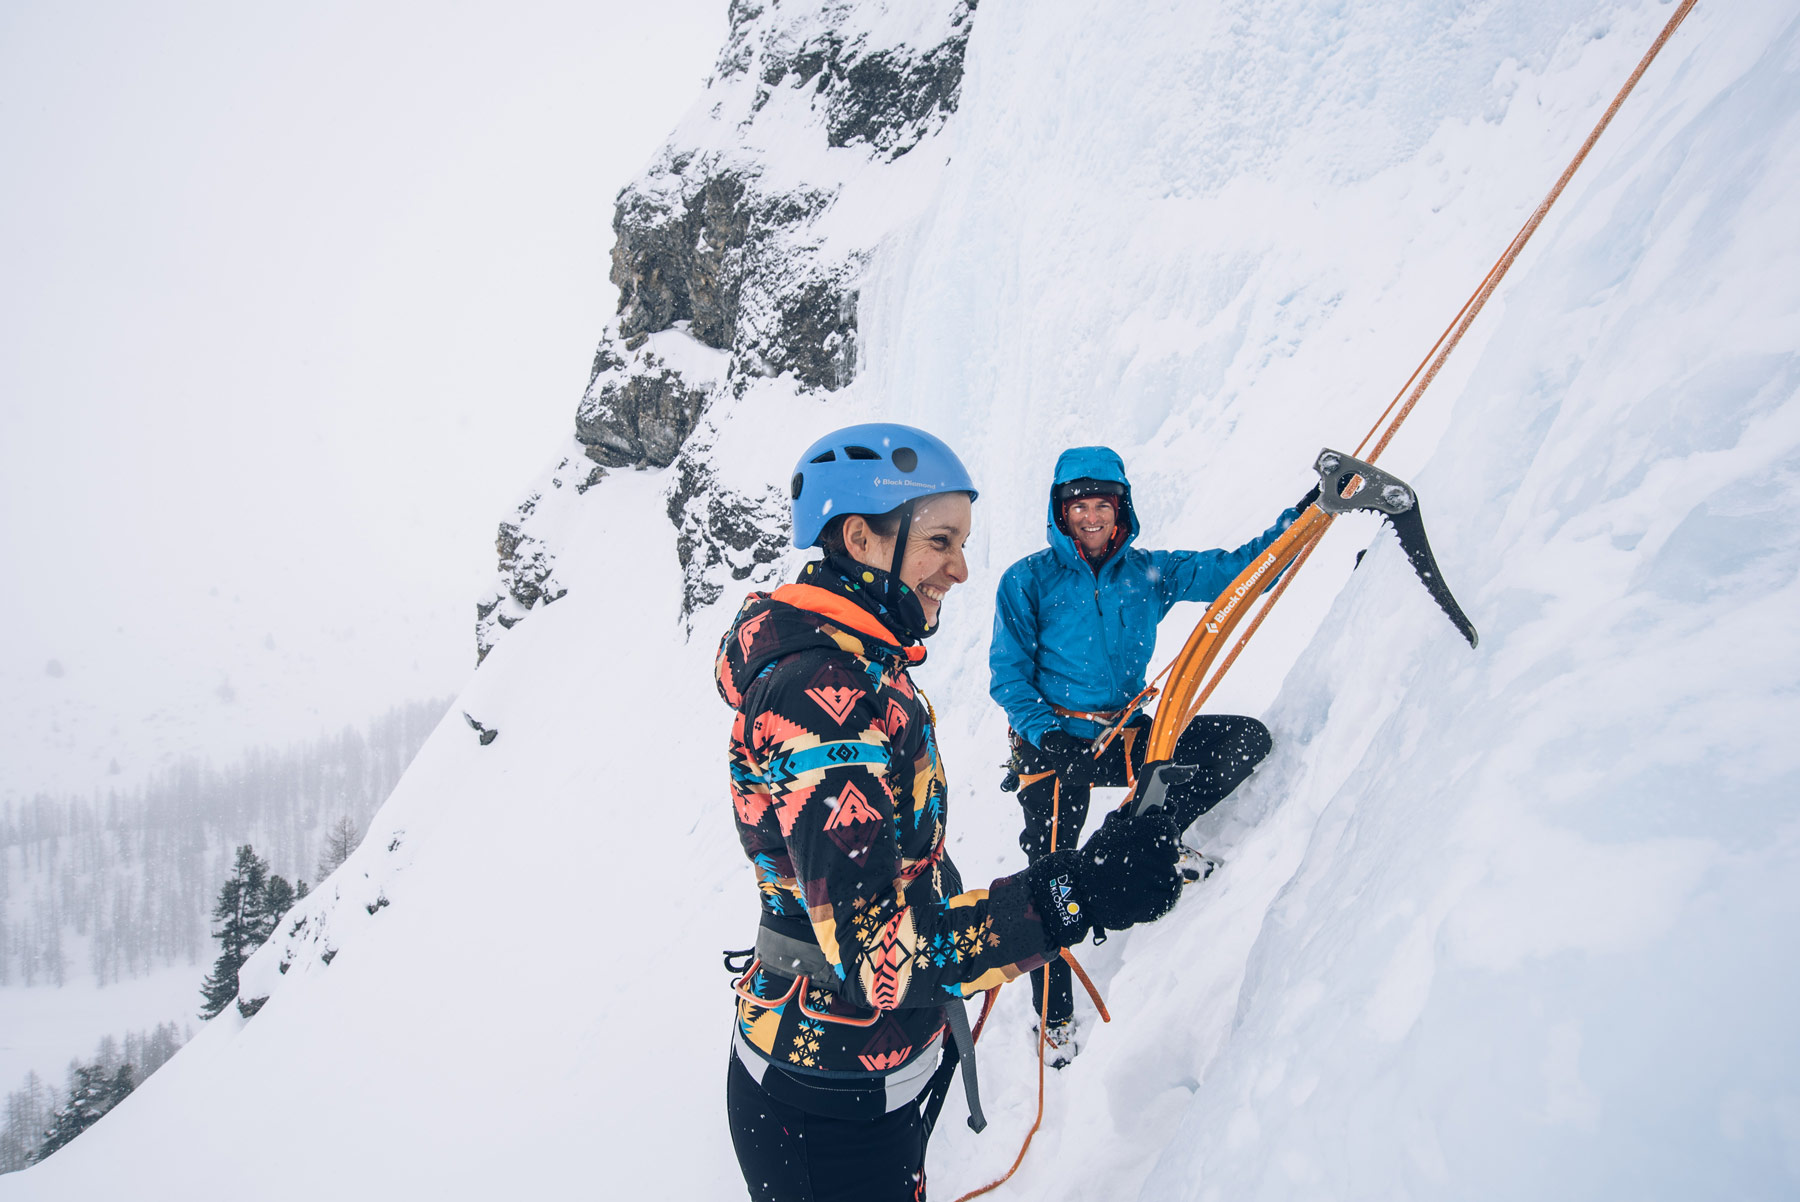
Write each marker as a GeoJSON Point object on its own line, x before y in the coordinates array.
{"type": "Point", "coordinates": [870, 469]}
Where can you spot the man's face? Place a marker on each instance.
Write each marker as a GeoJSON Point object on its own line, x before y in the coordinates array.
{"type": "Point", "coordinates": [1091, 521]}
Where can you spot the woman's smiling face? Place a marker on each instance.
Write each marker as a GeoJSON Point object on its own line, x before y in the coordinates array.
{"type": "Point", "coordinates": [934, 562]}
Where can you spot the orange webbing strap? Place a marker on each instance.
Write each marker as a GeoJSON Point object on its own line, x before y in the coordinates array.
{"type": "Point", "coordinates": [1130, 772]}
{"type": "Point", "coordinates": [1145, 696]}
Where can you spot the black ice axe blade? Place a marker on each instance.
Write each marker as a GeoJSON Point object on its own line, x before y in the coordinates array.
{"type": "Point", "coordinates": [1411, 529]}
{"type": "Point", "coordinates": [1394, 500]}
{"type": "Point", "coordinates": [1154, 781]}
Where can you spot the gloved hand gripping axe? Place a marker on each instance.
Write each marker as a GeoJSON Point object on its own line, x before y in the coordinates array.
{"type": "Point", "coordinates": [1154, 782]}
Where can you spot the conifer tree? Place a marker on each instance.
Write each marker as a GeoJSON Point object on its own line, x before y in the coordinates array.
{"type": "Point", "coordinates": [341, 839]}
{"type": "Point", "coordinates": [28, 1113]}
{"type": "Point", "coordinates": [277, 899]}
{"type": "Point", "coordinates": [240, 912]}
{"type": "Point", "coordinates": [93, 1093]}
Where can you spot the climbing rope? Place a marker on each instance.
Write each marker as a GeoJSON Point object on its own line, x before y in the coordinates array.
{"type": "Point", "coordinates": [1185, 694]}
{"type": "Point", "coordinates": [1282, 561]}
{"type": "Point", "coordinates": [1473, 306]}
{"type": "Point", "coordinates": [1043, 1019]}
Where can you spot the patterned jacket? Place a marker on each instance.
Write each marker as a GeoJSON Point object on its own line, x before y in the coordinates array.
{"type": "Point", "coordinates": [841, 807]}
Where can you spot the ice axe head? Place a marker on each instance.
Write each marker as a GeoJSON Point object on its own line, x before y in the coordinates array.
{"type": "Point", "coordinates": [1153, 784]}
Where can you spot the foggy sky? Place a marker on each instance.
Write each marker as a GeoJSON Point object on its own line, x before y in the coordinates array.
{"type": "Point", "coordinates": [297, 303]}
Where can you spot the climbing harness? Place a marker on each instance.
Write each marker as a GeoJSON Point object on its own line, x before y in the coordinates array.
{"type": "Point", "coordinates": [1347, 483]}
{"type": "Point", "coordinates": [793, 953]}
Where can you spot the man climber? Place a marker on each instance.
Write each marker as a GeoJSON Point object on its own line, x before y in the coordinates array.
{"type": "Point", "coordinates": [1074, 629]}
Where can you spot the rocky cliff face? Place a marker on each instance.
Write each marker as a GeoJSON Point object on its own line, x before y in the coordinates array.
{"type": "Point", "coordinates": [737, 259]}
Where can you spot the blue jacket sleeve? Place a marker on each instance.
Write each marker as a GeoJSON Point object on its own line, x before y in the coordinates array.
{"type": "Point", "coordinates": [1203, 575]}
{"type": "Point", "coordinates": [1012, 657]}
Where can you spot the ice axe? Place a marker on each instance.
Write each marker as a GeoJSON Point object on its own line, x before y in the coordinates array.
{"type": "Point", "coordinates": [1153, 784]}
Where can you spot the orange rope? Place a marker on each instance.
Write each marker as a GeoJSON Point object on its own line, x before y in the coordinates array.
{"type": "Point", "coordinates": [1195, 658]}
{"type": "Point", "coordinates": [1144, 697]}
{"type": "Point", "coordinates": [1429, 354]}
{"type": "Point", "coordinates": [995, 1184]}
{"type": "Point", "coordinates": [1043, 1022]}
{"type": "Point", "coordinates": [1274, 596]}
{"type": "Point", "coordinates": [1480, 298]}
{"type": "Point", "coordinates": [987, 1006]}
{"type": "Point", "coordinates": [1086, 983]}
{"type": "Point", "coordinates": [1229, 608]}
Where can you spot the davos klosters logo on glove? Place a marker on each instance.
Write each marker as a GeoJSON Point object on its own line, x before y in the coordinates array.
{"type": "Point", "coordinates": [1063, 889]}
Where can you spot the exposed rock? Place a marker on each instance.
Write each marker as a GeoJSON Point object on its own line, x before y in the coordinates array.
{"type": "Point", "coordinates": [636, 415]}
{"type": "Point", "coordinates": [486, 734]}
{"type": "Point", "coordinates": [681, 233]}
{"type": "Point", "coordinates": [805, 326]}
{"type": "Point", "coordinates": [721, 532]}
{"type": "Point", "coordinates": [527, 565]}
{"type": "Point", "coordinates": [888, 97]}
{"type": "Point", "coordinates": [699, 243]}
{"type": "Point", "coordinates": [738, 272]}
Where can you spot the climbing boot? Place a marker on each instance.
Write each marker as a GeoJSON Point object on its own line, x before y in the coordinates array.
{"type": "Point", "coordinates": [1195, 865]}
{"type": "Point", "coordinates": [1061, 1042]}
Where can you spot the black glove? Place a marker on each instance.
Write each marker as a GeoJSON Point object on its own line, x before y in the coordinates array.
{"type": "Point", "coordinates": [1312, 494]}
{"type": "Point", "coordinates": [1124, 875]}
{"type": "Point", "coordinates": [1067, 756]}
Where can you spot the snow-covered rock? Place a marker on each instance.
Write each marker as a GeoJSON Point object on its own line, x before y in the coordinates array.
{"type": "Point", "coordinates": [739, 257]}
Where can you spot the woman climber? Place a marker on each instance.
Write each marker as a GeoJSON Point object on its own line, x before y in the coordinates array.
{"type": "Point", "coordinates": [850, 1018]}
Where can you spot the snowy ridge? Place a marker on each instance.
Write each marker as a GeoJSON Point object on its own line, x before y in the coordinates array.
{"type": "Point", "coordinates": [740, 252]}
{"type": "Point", "coordinates": [1499, 924]}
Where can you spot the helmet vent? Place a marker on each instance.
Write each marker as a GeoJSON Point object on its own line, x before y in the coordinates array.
{"type": "Point", "coordinates": [827, 457]}
{"type": "Point", "coordinates": [906, 459]}
{"type": "Point", "coordinates": [861, 453]}
{"type": "Point", "coordinates": [799, 482]}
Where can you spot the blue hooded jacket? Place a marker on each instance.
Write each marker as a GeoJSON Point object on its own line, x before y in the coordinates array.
{"type": "Point", "coordinates": [1081, 639]}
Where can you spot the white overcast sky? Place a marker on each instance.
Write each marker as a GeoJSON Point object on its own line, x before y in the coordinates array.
{"type": "Point", "coordinates": [298, 301]}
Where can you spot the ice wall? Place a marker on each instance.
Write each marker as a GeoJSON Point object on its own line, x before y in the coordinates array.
{"type": "Point", "coordinates": [1506, 924]}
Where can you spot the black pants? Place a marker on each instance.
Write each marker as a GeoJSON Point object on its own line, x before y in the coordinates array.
{"type": "Point", "coordinates": [1225, 747]}
{"type": "Point", "coordinates": [788, 1155]}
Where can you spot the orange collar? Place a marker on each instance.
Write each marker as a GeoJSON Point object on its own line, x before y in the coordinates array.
{"type": "Point", "coordinates": [844, 612]}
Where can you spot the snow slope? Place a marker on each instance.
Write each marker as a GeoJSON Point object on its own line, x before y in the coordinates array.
{"type": "Point", "coordinates": [1513, 923]}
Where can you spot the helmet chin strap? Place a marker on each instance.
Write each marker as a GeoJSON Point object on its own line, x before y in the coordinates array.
{"type": "Point", "coordinates": [901, 601]}
{"type": "Point", "coordinates": [900, 537]}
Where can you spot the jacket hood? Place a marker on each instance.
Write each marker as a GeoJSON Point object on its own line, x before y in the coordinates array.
{"type": "Point", "coordinates": [1091, 463]}
{"type": "Point", "coordinates": [799, 617]}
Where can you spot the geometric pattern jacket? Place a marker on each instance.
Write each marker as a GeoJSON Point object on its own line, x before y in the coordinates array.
{"type": "Point", "coordinates": [840, 800]}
